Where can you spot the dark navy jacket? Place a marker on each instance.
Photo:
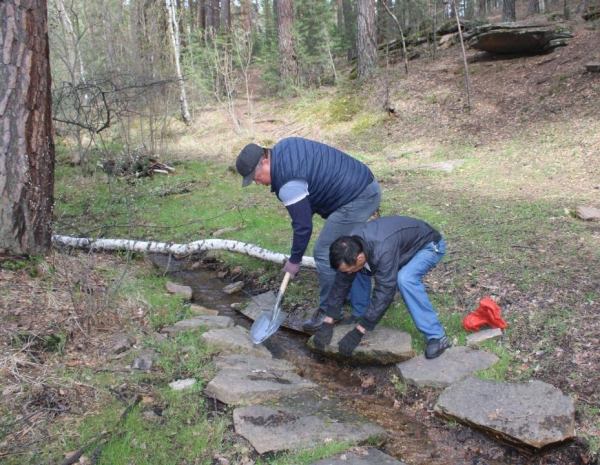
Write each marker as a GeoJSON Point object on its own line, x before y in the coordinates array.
{"type": "Point", "coordinates": [389, 243]}
{"type": "Point", "coordinates": [334, 178]}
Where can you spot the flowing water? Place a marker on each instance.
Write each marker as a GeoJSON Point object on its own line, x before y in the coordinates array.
{"type": "Point", "coordinates": [413, 435]}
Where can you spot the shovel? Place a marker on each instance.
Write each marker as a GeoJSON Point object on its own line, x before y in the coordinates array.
{"type": "Point", "coordinates": [268, 322]}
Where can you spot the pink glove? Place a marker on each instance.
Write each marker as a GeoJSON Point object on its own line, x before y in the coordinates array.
{"type": "Point", "coordinates": [291, 268]}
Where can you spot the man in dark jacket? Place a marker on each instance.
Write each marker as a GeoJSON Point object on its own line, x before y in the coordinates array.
{"type": "Point", "coordinates": [310, 177]}
{"type": "Point", "coordinates": [397, 251]}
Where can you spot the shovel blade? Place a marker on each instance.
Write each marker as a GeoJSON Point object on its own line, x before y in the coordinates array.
{"type": "Point", "coordinates": [266, 325]}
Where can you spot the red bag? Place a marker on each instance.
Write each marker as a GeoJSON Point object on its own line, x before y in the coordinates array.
{"type": "Point", "coordinates": [488, 313]}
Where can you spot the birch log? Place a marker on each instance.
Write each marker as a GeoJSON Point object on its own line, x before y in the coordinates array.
{"type": "Point", "coordinates": [176, 249]}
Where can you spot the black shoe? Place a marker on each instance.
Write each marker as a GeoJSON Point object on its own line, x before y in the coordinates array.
{"type": "Point", "coordinates": [315, 321]}
{"type": "Point", "coordinates": [436, 347]}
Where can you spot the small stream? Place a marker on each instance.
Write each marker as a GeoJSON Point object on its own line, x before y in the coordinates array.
{"type": "Point", "coordinates": [412, 435]}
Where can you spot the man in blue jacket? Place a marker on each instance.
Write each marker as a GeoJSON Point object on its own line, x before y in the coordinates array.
{"type": "Point", "coordinates": [309, 177]}
{"type": "Point", "coordinates": [398, 251]}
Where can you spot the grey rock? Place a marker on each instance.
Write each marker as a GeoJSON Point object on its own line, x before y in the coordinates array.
{"type": "Point", "coordinates": [593, 66]}
{"type": "Point", "coordinates": [485, 335]}
{"type": "Point", "coordinates": [378, 347]}
{"type": "Point", "coordinates": [530, 415]}
{"type": "Point", "coordinates": [244, 362]}
{"type": "Point", "coordinates": [145, 361]}
{"type": "Point", "coordinates": [360, 457]}
{"type": "Point", "coordinates": [182, 384]}
{"type": "Point", "coordinates": [517, 38]}
{"type": "Point", "coordinates": [235, 340]}
{"type": "Point", "coordinates": [120, 343]}
{"type": "Point", "coordinates": [234, 288]}
{"type": "Point", "coordinates": [200, 310]}
{"type": "Point", "coordinates": [184, 291]}
{"type": "Point", "coordinates": [301, 421]}
{"type": "Point", "coordinates": [453, 365]}
{"type": "Point", "coordinates": [588, 213]}
{"type": "Point", "coordinates": [202, 321]}
{"type": "Point", "coordinates": [246, 387]}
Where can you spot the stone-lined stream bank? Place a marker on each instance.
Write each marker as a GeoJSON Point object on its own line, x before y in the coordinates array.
{"type": "Point", "coordinates": [280, 385]}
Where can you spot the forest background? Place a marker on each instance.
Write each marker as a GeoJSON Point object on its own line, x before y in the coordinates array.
{"type": "Point", "coordinates": [152, 101]}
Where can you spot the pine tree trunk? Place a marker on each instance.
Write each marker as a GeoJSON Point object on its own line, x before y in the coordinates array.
{"type": "Point", "coordinates": [367, 45]}
{"type": "Point", "coordinates": [26, 147]}
{"type": "Point", "coordinates": [226, 15]}
{"type": "Point", "coordinates": [350, 28]}
{"type": "Point", "coordinates": [509, 13]}
{"type": "Point", "coordinates": [288, 65]}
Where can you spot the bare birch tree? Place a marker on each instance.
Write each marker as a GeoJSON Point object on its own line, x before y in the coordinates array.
{"type": "Point", "coordinates": [174, 33]}
{"type": "Point", "coordinates": [27, 146]}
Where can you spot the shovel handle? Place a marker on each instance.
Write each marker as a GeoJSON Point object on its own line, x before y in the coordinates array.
{"type": "Point", "coordinates": [284, 283]}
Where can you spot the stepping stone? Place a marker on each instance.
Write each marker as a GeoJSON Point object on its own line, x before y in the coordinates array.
{"type": "Point", "coordinates": [378, 347]}
{"type": "Point", "coordinates": [246, 387]}
{"type": "Point", "coordinates": [235, 340]}
{"type": "Point", "coordinates": [202, 321]}
{"type": "Point", "coordinates": [200, 310]}
{"type": "Point", "coordinates": [265, 303]}
{"type": "Point", "coordinates": [244, 362]}
{"type": "Point", "coordinates": [588, 213]}
{"type": "Point", "coordinates": [453, 365]}
{"type": "Point", "coordinates": [303, 421]}
{"type": "Point", "coordinates": [184, 291]}
{"type": "Point", "coordinates": [360, 457]}
{"type": "Point", "coordinates": [480, 336]}
{"type": "Point", "coordinates": [529, 415]}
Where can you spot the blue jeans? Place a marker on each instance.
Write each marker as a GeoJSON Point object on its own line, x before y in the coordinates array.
{"type": "Point", "coordinates": [413, 290]}
{"type": "Point", "coordinates": [340, 223]}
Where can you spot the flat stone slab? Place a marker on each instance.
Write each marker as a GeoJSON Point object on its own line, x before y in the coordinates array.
{"type": "Point", "coordinates": [247, 387]}
{"type": "Point", "coordinates": [303, 421]}
{"type": "Point", "coordinates": [184, 291]}
{"type": "Point", "coordinates": [452, 366]}
{"type": "Point", "coordinates": [528, 415]}
{"type": "Point", "coordinates": [588, 213]}
{"type": "Point", "coordinates": [265, 303]}
{"type": "Point", "coordinates": [378, 347]}
{"type": "Point", "coordinates": [485, 335]}
{"type": "Point", "coordinates": [182, 384]}
{"type": "Point", "coordinates": [244, 362]}
{"type": "Point", "coordinates": [235, 340]}
{"type": "Point", "coordinates": [360, 457]}
{"type": "Point", "coordinates": [201, 321]}
{"type": "Point", "coordinates": [200, 310]}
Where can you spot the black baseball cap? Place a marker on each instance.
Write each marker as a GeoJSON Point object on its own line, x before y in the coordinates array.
{"type": "Point", "coordinates": [247, 161]}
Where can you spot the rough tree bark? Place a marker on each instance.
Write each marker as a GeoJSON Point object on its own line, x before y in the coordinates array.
{"type": "Point", "coordinates": [509, 12]}
{"type": "Point", "coordinates": [288, 64]}
{"type": "Point", "coordinates": [350, 28]}
{"type": "Point", "coordinates": [26, 147]}
{"type": "Point", "coordinates": [226, 15]}
{"type": "Point", "coordinates": [180, 250]}
{"type": "Point", "coordinates": [367, 42]}
{"type": "Point", "coordinates": [174, 33]}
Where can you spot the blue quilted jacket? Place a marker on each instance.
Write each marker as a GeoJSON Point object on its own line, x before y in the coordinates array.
{"type": "Point", "coordinates": [334, 178]}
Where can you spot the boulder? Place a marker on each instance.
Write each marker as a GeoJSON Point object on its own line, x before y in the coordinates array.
{"type": "Point", "coordinates": [453, 365]}
{"type": "Point", "coordinates": [360, 457]}
{"type": "Point", "coordinates": [202, 321]}
{"type": "Point", "coordinates": [245, 362]}
{"type": "Point", "coordinates": [527, 415]}
{"type": "Point", "coordinates": [378, 347]}
{"type": "Point", "coordinates": [235, 340]}
{"type": "Point", "coordinates": [184, 291]}
{"type": "Point", "coordinates": [481, 336]}
{"type": "Point", "coordinates": [246, 387]}
{"type": "Point", "coordinates": [302, 421]}
{"type": "Point", "coordinates": [517, 38]}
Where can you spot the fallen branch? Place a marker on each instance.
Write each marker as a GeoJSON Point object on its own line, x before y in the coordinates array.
{"type": "Point", "coordinates": [180, 250]}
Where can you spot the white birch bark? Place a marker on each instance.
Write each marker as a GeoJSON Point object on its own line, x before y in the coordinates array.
{"type": "Point", "coordinates": [73, 49]}
{"type": "Point", "coordinates": [180, 250]}
{"type": "Point", "coordinates": [174, 33]}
